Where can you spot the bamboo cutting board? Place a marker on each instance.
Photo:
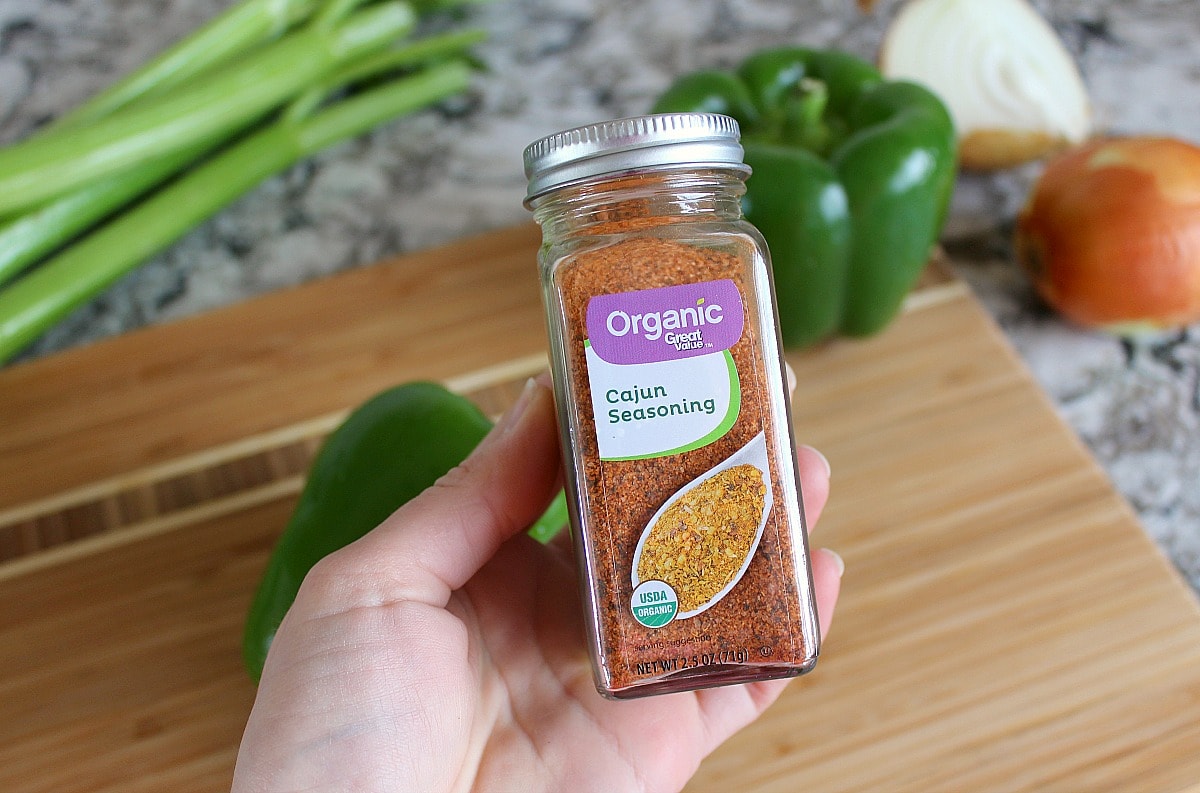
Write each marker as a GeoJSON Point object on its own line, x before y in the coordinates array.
{"type": "Point", "coordinates": [1005, 624]}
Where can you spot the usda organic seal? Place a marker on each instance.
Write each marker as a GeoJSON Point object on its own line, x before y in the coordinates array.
{"type": "Point", "coordinates": [654, 603]}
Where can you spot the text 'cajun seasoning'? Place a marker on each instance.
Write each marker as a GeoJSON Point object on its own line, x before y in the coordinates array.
{"type": "Point", "coordinates": [673, 411]}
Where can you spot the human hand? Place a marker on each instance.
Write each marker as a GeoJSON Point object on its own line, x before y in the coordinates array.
{"type": "Point", "coordinates": [444, 651]}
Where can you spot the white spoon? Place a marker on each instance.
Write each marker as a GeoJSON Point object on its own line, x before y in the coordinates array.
{"type": "Point", "coordinates": [753, 453]}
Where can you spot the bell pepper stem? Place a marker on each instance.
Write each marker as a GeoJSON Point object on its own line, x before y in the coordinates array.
{"type": "Point", "coordinates": [804, 121]}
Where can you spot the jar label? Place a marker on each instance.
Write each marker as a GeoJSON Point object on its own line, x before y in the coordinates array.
{"type": "Point", "coordinates": [662, 378]}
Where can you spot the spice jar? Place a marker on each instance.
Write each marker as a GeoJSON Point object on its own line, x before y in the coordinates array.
{"type": "Point", "coordinates": [673, 411]}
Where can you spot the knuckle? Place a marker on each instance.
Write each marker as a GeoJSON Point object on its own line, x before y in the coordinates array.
{"type": "Point", "coordinates": [474, 494]}
{"type": "Point", "coordinates": [466, 476]}
{"type": "Point", "coordinates": [326, 581]}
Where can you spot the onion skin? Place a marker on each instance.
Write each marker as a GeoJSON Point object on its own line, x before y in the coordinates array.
{"type": "Point", "coordinates": [1111, 234]}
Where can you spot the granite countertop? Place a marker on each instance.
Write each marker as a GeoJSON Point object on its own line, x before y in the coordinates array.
{"type": "Point", "coordinates": [442, 175]}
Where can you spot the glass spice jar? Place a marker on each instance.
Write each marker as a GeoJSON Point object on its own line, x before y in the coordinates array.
{"type": "Point", "coordinates": [673, 410]}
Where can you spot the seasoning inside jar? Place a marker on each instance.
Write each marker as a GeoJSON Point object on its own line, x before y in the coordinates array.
{"type": "Point", "coordinates": [672, 404]}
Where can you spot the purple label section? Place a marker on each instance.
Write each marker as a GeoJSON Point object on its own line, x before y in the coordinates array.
{"type": "Point", "coordinates": [665, 324]}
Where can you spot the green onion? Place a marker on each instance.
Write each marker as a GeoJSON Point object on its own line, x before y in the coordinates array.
{"type": "Point", "coordinates": [39, 300]}
{"type": "Point", "coordinates": [45, 166]}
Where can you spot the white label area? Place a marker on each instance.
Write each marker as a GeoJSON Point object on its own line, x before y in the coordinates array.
{"type": "Point", "coordinates": [664, 407]}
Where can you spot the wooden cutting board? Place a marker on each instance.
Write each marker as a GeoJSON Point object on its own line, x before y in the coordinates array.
{"type": "Point", "coordinates": [1005, 624]}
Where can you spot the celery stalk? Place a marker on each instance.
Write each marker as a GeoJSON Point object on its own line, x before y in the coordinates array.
{"type": "Point", "coordinates": [423, 51]}
{"type": "Point", "coordinates": [37, 233]}
{"type": "Point", "coordinates": [33, 235]}
{"type": "Point", "coordinates": [49, 165]}
{"type": "Point", "coordinates": [412, 53]}
{"type": "Point", "coordinates": [237, 30]}
{"type": "Point", "coordinates": [45, 296]}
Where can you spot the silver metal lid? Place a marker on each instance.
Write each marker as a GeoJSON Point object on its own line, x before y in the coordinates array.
{"type": "Point", "coordinates": [627, 144]}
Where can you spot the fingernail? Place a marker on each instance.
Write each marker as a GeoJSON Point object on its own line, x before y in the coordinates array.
{"type": "Point", "coordinates": [837, 561]}
{"type": "Point", "coordinates": [791, 376]}
{"type": "Point", "coordinates": [824, 459]}
{"type": "Point", "coordinates": [512, 416]}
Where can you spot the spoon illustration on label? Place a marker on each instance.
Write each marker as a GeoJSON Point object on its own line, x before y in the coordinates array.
{"type": "Point", "coordinates": [699, 543]}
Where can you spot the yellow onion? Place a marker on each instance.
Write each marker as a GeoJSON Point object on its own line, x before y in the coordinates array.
{"type": "Point", "coordinates": [1111, 234]}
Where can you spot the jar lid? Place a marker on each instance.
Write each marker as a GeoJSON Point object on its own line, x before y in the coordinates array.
{"type": "Point", "coordinates": [626, 144]}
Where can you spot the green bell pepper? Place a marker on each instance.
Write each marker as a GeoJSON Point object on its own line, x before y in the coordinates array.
{"type": "Point", "coordinates": [386, 452]}
{"type": "Point", "coordinates": [852, 176]}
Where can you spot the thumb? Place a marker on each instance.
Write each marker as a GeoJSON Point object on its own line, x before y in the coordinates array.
{"type": "Point", "coordinates": [434, 544]}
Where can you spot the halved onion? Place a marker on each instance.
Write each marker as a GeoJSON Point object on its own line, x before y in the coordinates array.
{"type": "Point", "coordinates": [1011, 86]}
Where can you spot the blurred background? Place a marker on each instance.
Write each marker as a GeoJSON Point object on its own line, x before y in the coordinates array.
{"type": "Point", "coordinates": [444, 174]}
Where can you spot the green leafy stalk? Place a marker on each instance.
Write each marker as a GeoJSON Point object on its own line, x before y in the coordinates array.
{"type": "Point", "coordinates": [38, 301]}
{"type": "Point", "coordinates": [47, 166]}
{"type": "Point", "coordinates": [31, 236]}
{"type": "Point", "coordinates": [236, 31]}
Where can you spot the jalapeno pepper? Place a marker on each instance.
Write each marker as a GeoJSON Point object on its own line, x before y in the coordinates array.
{"type": "Point", "coordinates": [386, 452]}
{"type": "Point", "coordinates": [851, 181]}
